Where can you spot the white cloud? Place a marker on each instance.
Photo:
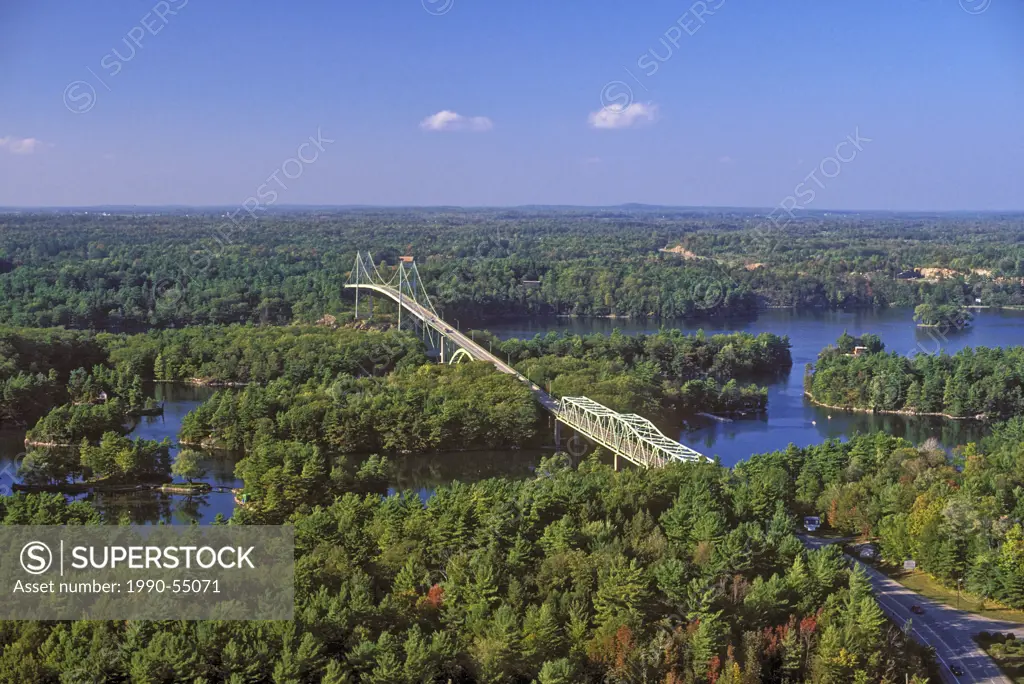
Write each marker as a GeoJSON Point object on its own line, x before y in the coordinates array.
{"type": "Point", "coordinates": [20, 145]}
{"type": "Point", "coordinates": [725, 160]}
{"type": "Point", "coordinates": [446, 120]}
{"type": "Point", "coordinates": [619, 116]}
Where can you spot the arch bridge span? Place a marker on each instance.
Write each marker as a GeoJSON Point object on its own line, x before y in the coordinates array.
{"type": "Point", "coordinates": [626, 435]}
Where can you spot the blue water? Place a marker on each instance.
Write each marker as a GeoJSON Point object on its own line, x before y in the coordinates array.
{"type": "Point", "coordinates": [791, 418]}
{"type": "Point", "coordinates": [151, 507]}
{"type": "Point", "coordinates": [147, 507]}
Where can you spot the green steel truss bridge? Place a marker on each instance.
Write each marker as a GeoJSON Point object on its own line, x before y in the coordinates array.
{"type": "Point", "coordinates": [626, 435]}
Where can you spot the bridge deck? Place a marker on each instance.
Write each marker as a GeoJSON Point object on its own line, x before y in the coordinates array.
{"type": "Point", "coordinates": [631, 436]}
{"type": "Point", "coordinates": [464, 341]}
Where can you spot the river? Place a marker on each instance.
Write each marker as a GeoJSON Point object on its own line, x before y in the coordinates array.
{"type": "Point", "coordinates": [421, 473]}
{"type": "Point", "coordinates": [791, 418]}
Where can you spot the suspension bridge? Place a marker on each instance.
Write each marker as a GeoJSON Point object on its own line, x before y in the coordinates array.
{"type": "Point", "coordinates": [626, 435]}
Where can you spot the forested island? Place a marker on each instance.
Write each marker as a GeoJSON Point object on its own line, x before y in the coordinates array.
{"type": "Point", "coordinates": [949, 316]}
{"type": "Point", "coordinates": [655, 373]}
{"type": "Point", "coordinates": [356, 391]}
{"type": "Point", "coordinates": [857, 373]}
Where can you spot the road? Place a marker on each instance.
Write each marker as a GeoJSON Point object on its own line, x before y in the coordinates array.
{"type": "Point", "coordinates": [947, 630]}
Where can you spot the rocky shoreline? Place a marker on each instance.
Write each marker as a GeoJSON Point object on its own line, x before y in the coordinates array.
{"type": "Point", "coordinates": [904, 412]}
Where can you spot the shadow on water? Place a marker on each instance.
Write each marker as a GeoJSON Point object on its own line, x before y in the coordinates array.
{"type": "Point", "coordinates": [424, 473]}
{"type": "Point", "coordinates": [145, 508]}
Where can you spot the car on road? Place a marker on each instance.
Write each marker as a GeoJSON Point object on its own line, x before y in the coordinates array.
{"type": "Point", "coordinates": [917, 610]}
{"type": "Point", "coordinates": [956, 670]}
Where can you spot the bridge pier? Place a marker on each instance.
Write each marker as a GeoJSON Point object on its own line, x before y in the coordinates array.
{"type": "Point", "coordinates": [558, 435]}
{"type": "Point", "coordinates": [616, 466]}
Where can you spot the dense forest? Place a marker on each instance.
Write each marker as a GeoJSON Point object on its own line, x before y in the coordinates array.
{"type": "Point", "coordinates": [428, 408]}
{"type": "Point", "coordinates": [652, 374]}
{"type": "Point", "coordinates": [959, 518]}
{"type": "Point", "coordinates": [679, 574]}
{"type": "Point", "coordinates": [431, 407]}
{"type": "Point", "coordinates": [36, 365]}
{"type": "Point", "coordinates": [971, 383]}
{"type": "Point", "coordinates": [136, 271]}
{"type": "Point", "coordinates": [242, 354]}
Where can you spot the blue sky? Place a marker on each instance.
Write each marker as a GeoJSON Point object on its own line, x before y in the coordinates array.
{"type": "Point", "coordinates": [474, 102]}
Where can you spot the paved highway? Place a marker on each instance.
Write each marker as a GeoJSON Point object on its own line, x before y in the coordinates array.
{"type": "Point", "coordinates": [947, 630]}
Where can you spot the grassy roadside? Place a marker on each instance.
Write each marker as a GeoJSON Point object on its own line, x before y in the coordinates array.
{"type": "Point", "coordinates": [1008, 654]}
{"type": "Point", "coordinates": [924, 585]}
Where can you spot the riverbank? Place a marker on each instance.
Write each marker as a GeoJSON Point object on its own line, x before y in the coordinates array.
{"type": "Point", "coordinates": [1003, 307]}
{"type": "Point", "coordinates": [857, 409]}
{"type": "Point", "coordinates": [88, 486]}
{"type": "Point", "coordinates": [945, 324]}
{"type": "Point", "coordinates": [203, 382]}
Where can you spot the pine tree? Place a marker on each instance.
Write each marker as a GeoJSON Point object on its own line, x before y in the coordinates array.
{"type": "Point", "coordinates": [558, 671]}
{"type": "Point", "coordinates": [411, 579]}
{"type": "Point", "coordinates": [792, 655]}
{"type": "Point", "coordinates": [300, 657]}
{"type": "Point", "coordinates": [953, 399]}
{"type": "Point", "coordinates": [914, 398]}
{"type": "Point", "coordinates": [781, 525]}
{"type": "Point", "coordinates": [670, 575]}
{"type": "Point", "coordinates": [831, 661]}
{"type": "Point", "coordinates": [578, 629]}
{"type": "Point", "coordinates": [800, 585]}
{"type": "Point", "coordinates": [622, 592]}
{"type": "Point", "coordinates": [865, 625]}
{"type": "Point", "coordinates": [708, 640]}
{"type": "Point", "coordinates": [497, 651]}
{"type": "Point", "coordinates": [860, 586]}
{"type": "Point", "coordinates": [541, 635]}
{"type": "Point", "coordinates": [388, 669]}
{"type": "Point", "coordinates": [420, 660]}
{"type": "Point", "coordinates": [1012, 589]}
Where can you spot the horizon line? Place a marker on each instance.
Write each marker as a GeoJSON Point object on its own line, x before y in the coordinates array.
{"type": "Point", "coordinates": [63, 208]}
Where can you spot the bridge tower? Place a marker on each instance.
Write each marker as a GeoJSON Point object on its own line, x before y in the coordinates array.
{"type": "Point", "coordinates": [405, 280]}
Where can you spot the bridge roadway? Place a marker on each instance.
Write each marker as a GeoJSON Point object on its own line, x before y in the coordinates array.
{"type": "Point", "coordinates": [628, 435]}
{"type": "Point", "coordinates": [477, 352]}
